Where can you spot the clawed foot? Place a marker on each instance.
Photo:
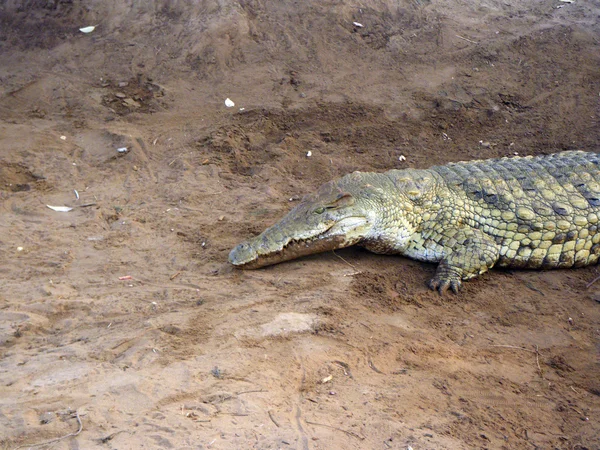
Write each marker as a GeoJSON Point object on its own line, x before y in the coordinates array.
{"type": "Point", "coordinates": [441, 284]}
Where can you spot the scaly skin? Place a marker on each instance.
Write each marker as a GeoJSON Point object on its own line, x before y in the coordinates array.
{"type": "Point", "coordinates": [532, 212]}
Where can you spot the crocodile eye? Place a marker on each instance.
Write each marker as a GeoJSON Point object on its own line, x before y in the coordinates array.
{"type": "Point", "coordinates": [319, 210]}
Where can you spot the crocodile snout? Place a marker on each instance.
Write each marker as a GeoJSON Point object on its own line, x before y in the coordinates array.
{"type": "Point", "coordinates": [242, 254]}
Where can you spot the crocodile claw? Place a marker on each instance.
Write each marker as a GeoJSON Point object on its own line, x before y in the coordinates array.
{"type": "Point", "coordinates": [443, 284]}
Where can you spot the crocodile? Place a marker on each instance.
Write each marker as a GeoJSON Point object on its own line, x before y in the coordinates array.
{"type": "Point", "coordinates": [527, 212]}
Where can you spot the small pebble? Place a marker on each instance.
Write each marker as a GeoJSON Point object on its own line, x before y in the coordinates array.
{"type": "Point", "coordinates": [46, 417]}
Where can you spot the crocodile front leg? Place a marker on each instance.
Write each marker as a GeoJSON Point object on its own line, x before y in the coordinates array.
{"type": "Point", "coordinates": [468, 252]}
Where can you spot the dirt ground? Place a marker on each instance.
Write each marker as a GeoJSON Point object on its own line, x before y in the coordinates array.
{"type": "Point", "coordinates": [121, 322]}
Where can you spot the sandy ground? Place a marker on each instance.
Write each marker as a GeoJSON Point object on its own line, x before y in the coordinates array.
{"type": "Point", "coordinates": [335, 351]}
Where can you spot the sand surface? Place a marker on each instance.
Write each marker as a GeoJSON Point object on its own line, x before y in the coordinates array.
{"type": "Point", "coordinates": [334, 351]}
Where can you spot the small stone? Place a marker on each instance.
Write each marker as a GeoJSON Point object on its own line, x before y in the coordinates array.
{"type": "Point", "coordinates": [46, 417]}
{"type": "Point", "coordinates": [131, 102]}
{"type": "Point", "coordinates": [120, 95]}
{"type": "Point", "coordinates": [123, 84]}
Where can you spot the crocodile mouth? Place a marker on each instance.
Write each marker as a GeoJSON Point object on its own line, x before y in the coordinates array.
{"type": "Point", "coordinates": [260, 252]}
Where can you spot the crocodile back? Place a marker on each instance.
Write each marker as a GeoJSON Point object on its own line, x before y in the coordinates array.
{"type": "Point", "coordinates": [543, 211]}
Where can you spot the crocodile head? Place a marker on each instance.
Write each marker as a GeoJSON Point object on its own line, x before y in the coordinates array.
{"type": "Point", "coordinates": [336, 216]}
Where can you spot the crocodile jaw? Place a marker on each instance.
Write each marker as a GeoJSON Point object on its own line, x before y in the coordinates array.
{"type": "Point", "coordinates": [264, 250]}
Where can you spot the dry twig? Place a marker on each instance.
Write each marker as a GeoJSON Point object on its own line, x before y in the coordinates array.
{"type": "Point", "coordinates": [375, 369]}
{"type": "Point", "coordinates": [273, 419]}
{"type": "Point", "coordinates": [345, 367]}
{"type": "Point", "coordinates": [537, 361]}
{"type": "Point", "coordinates": [536, 352]}
{"type": "Point", "coordinates": [110, 437]}
{"type": "Point", "coordinates": [513, 346]}
{"type": "Point", "coordinates": [366, 326]}
{"type": "Point", "coordinates": [349, 433]}
{"type": "Point", "coordinates": [248, 392]}
{"type": "Point", "coordinates": [587, 286]}
{"type": "Point", "coordinates": [354, 267]}
{"type": "Point", "coordinates": [468, 40]}
{"type": "Point", "coordinates": [57, 439]}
